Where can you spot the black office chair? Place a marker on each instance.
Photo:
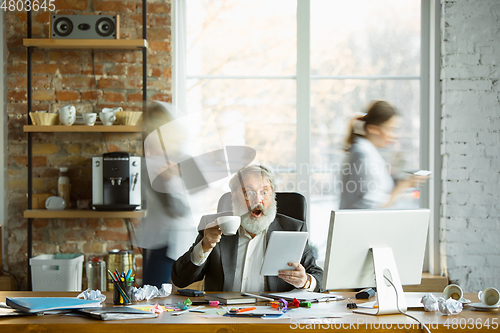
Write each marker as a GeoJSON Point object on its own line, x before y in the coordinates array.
{"type": "Point", "coordinates": [292, 204]}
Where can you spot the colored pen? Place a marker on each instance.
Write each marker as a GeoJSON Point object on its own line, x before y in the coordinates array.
{"type": "Point", "coordinates": [246, 309]}
{"type": "Point", "coordinates": [128, 274]}
{"type": "Point", "coordinates": [118, 287]}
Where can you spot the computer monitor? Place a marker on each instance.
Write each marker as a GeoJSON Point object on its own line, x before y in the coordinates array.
{"type": "Point", "coordinates": [367, 247]}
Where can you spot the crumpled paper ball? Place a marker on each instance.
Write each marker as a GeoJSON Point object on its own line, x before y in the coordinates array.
{"type": "Point", "coordinates": [449, 306]}
{"type": "Point", "coordinates": [165, 290]}
{"type": "Point", "coordinates": [93, 295]}
{"type": "Point", "coordinates": [430, 303]}
{"type": "Point", "coordinates": [148, 292]}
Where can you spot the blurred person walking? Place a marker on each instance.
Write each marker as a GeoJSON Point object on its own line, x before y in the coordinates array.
{"type": "Point", "coordinates": [167, 230]}
{"type": "Point", "coordinates": [366, 177]}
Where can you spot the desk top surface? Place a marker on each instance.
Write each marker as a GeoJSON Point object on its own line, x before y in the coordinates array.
{"type": "Point", "coordinates": [468, 319]}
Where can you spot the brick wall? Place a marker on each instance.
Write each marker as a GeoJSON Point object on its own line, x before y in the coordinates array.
{"type": "Point", "coordinates": [470, 221]}
{"type": "Point", "coordinates": [63, 77]}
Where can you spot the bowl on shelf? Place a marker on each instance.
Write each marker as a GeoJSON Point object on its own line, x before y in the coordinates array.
{"type": "Point", "coordinates": [44, 118]}
{"type": "Point", "coordinates": [128, 117]}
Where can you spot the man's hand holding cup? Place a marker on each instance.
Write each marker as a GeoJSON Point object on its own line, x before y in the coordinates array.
{"type": "Point", "coordinates": [227, 225]}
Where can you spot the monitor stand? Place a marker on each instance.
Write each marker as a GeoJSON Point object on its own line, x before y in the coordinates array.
{"type": "Point", "coordinates": [385, 266]}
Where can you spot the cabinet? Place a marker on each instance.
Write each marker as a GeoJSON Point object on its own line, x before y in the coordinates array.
{"type": "Point", "coordinates": [115, 44]}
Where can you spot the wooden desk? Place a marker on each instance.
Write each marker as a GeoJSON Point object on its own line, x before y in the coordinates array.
{"type": "Point", "coordinates": [467, 320]}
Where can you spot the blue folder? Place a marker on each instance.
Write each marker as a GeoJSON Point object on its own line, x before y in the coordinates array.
{"type": "Point", "coordinates": [42, 304]}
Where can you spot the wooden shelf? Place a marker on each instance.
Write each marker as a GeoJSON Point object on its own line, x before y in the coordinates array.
{"type": "Point", "coordinates": [73, 213]}
{"type": "Point", "coordinates": [83, 128]}
{"type": "Point", "coordinates": [119, 44]}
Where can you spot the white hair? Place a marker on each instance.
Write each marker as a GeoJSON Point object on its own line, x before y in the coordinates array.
{"type": "Point", "coordinates": [255, 169]}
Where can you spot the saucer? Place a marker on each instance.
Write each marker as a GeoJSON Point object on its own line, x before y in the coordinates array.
{"type": "Point", "coordinates": [464, 300]}
{"type": "Point", "coordinates": [482, 307]}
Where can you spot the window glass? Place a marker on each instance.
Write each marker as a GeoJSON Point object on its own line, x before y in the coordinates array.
{"type": "Point", "coordinates": [241, 37]}
{"type": "Point", "coordinates": [365, 37]}
{"type": "Point", "coordinates": [255, 113]}
{"type": "Point", "coordinates": [250, 50]}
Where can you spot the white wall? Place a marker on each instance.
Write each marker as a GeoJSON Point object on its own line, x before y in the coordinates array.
{"type": "Point", "coordinates": [470, 223]}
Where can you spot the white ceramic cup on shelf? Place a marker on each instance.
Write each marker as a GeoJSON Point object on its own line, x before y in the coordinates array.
{"type": "Point", "coordinates": [55, 203]}
{"type": "Point", "coordinates": [107, 118]}
{"type": "Point", "coordinates": [89, 118]}
{"type": "Point", "coordinates": [489, 296]}
{"type": "Point", "coordinates": [229, 224]}
{"type": "Point", "coordinates": [67, 115]}
{"type": "Point", "coordinates": [114, 110]}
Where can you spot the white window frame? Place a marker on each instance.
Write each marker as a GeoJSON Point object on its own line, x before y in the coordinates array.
{"type": "Point", "coordinates": [429, 102]}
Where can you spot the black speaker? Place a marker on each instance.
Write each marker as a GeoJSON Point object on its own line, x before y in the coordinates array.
{"type": "Point", "coordinates": [85, 26]}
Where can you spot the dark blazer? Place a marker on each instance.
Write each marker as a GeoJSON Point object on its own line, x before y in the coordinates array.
{"type": "Point", "coordinates": [220, 266]}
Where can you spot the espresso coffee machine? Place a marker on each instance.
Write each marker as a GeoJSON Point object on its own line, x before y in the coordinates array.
{"type": "Point", "coordinates": [116, 182]}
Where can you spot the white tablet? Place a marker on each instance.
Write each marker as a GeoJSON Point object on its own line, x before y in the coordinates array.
{"type": "Point", "coordinates": [283, 247]}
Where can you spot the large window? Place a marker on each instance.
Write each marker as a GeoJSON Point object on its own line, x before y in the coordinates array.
{"type": "Point", "coordinates": [244, 59]}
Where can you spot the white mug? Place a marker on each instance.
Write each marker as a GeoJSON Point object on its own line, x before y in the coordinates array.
{"type": "Point", "coordinates": [454, 291]}
{"type": "Point", "coordinates": [114, 110]}
{"type": "Point", "coordinates": [55, 203]}
{"type": "Point", "coordinates": [67, 115]}
{"type": "Point", "coordinates": [229, 224]}
{"type": "Point", "coordinates": [489, 296]}
{"type": "Point", "coordinates": [107, 118]}
{"type": "Point", "coordinates": [89, 118]}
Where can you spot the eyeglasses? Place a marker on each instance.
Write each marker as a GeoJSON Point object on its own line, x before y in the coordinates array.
{"type": "Point", "coordinates": [251, 195]}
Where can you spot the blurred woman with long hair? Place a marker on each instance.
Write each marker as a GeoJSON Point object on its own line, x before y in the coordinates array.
{"type": "Point", "coordinates": [367, 182]}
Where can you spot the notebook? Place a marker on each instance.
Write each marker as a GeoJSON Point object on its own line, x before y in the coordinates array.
{"type": "Point", "coordinates": [230, 298]}
{"type": "Point", "coordinates": [117, 313]}
{"type": "Point", "coordinates": [41, 304]}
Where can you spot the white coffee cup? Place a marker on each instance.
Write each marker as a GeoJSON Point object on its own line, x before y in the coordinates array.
{"type": "Point", "coordinates": [107, 118]}
{"type": "Point", "coordinates": [114, 110]}
{"type": "Point", "coordinates": [489, 296]}
{"type": "Point", "coordinates": [55, 203]}
{"type": "Point", "coordinates": [67, 115]}
{"type": "Point", "coordinates": [229, 224]}
{"type": "Point", "coordinates": [454, 291]}
{"type": "Point", "coordinates": [89, 118]}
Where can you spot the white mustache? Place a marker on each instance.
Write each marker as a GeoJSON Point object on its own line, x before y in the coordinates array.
{"type": "Point", "coordinates": [258, 206]}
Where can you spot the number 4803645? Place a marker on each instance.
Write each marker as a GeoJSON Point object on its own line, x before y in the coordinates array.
{"type": "Point", "coordinates": [28, 5]}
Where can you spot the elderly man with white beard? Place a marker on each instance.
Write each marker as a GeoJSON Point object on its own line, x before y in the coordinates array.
{"type": "Point", "coordinates": [232, 263]}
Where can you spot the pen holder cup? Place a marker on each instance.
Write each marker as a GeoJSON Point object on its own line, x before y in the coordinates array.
{"type": "Point", "coordinates": [118, 298]}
